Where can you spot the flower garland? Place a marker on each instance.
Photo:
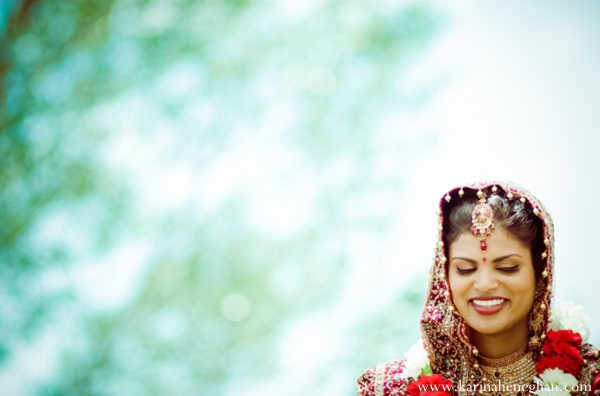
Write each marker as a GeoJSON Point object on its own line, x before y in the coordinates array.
{"type": "Point", "coordinates": [557, 369]}
{"type": "Point", "coordinates": [416, 365]}
{"type": "Point", "coordinates": [561, 361]}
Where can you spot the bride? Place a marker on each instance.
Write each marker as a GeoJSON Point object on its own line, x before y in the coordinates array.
{"type": "Point", "coordinates": [487, 325]}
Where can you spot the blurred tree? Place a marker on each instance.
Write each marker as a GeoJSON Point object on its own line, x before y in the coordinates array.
{"type": "Point", "coordinates": [291, 111]}
{"type": "Point", "coordinates": [47, 161]}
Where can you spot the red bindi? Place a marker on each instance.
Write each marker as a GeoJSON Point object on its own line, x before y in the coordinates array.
{"type": "Point", "coordinates": [484, 260]}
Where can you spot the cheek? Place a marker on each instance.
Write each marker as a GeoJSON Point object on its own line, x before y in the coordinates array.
{"type": "Point", "coordinates": [457, 286]}
{"type": "Point", "coordinates": [527, 287]}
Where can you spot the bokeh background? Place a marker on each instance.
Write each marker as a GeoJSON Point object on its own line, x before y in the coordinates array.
{"type": "Point", "coordinates": [237, 197]}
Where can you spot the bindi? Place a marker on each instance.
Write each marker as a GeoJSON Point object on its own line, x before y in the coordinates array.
{"type": "Point", "coordinates": [484, 260]}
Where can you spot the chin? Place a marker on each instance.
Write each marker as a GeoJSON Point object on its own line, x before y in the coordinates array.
{"type": "Point", "coordinates": [487, 328]}
{"type": "Point", "coordinates": [487, 331]}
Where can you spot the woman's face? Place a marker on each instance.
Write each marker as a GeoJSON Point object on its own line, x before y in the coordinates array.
{"type": "Point", "coordinates": [493, 290]}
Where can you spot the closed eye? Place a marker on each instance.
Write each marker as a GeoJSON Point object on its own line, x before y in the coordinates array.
{"type": "Point", "coordinates": [464, 271]}
{"type": "Point", "coordinates": [509, 270]}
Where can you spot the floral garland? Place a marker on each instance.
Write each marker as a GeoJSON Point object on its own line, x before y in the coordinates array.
{"type": "Point", "coordinates": [561, 361]}
{"type": "Point", "coordinates": [416, 365]}
{"type": "Point", "coordinates": [557, 369]}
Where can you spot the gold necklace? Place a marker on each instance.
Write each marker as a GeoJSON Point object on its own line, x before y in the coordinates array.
{"type": "Point", "coordinates": [505, 360]}
{"type": "Point", "coordinates": [509, 375]}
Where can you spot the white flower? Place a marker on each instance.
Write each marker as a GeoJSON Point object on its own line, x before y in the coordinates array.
{"type": "Point", "coordinates": [555, 382]}
{"type": "Point", "coordinates": [416, 360]}
{"type": "Point", "coordinates": [568, 316]}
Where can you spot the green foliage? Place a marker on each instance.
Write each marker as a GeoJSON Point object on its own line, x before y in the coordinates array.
{"type": "Point", "coordinates": [106, 103]}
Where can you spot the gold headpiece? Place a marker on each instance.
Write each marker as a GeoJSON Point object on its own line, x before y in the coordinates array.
{"type": "Point", "coordinates": [482, 218]}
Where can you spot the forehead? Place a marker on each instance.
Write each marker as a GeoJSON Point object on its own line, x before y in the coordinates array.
{"type": "Point", "coordinates": [499, 242]}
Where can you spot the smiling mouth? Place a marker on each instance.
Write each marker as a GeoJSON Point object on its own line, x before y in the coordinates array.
{"type": "Point", "coordinates": [488, 303]}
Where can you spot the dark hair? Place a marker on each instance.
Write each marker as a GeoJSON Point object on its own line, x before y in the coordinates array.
{"type": "Point", "coordinates": [513, 215]}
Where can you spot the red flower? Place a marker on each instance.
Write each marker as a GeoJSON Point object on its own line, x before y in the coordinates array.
{"type": "Point", "coordinates": [562, 337]}
{"type": "Point", "coordinates": [568, 364]}
{"type": "Point", "coordinates": [430, 385]}
{"type": "Point", "coordinates": [561, 351]}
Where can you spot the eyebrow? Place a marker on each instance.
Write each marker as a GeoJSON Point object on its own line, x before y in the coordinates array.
{"type": "Point", "coordinates": [496, 260]}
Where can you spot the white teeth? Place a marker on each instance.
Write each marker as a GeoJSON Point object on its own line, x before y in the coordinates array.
{"type": "Point", "coordinates": [488, 303]}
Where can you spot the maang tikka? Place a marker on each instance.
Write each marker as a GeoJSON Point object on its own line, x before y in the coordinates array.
{"type": "Point", "coordinates": [482, 218]}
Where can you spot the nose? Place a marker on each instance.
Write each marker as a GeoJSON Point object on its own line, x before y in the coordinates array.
{"type": "Point", "coordinates": [485, 280]}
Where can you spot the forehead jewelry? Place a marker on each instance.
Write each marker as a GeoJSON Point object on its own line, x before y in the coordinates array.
{"type": "Point", "coordinates": [482, 219]}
